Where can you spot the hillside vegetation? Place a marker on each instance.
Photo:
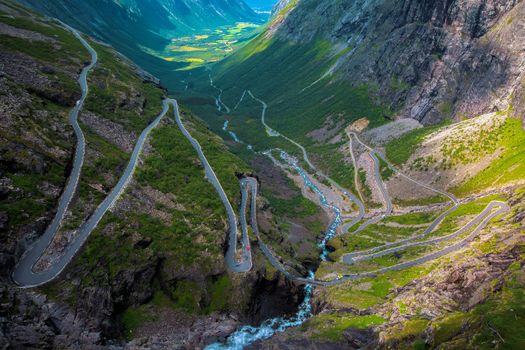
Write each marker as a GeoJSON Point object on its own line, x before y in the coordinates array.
{"type": "Point", "coordinates": [160, 248]}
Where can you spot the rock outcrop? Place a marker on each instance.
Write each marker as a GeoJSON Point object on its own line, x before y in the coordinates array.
{"type": "Point", "coordinates": [430, 59]}
{"type": "Point", "coordinates": [31, 321]}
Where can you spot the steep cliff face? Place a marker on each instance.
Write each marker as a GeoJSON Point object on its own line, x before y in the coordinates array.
{"type": "Point", "coordinates": [444, 58]}
{"type": "Point", "coordinates": [429, 60]}
{"type": "Point", "coordinates": [433, 59]}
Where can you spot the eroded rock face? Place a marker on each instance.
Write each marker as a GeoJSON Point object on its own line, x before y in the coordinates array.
{"type": "Point", "coordinates": [457, 287]}
{"type": "Point", "coordinates": [431, 59]}
{"type": "Point", "coordinates": [184, 331]}
{"type": "Point", "coordinates": [37, 323]}
{"type": "Point", "coordinates": [35, 78]}
{"type": "Point", "coordinates": [111, 131]}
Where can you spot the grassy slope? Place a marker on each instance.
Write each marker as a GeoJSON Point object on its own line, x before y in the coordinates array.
{"type": "Point", "coordinates": [68, 47]}
{"type": "Point", "coordinates": [34, 203]}
{"type": "Point", "coordinates": [192, 239]}
{"type": "Point", "coordinates": [196, 231]}
{"type": "Point", "coordinates": [172, 163]}
{"type": "Point", "coordinates": [280, 72]}
{"type": "Point", "coordinates": [507, 139]}
{"type": "Point", "coordinates": [277, 71]}
{"type": "Point", "coordinates": [508, 167]}
{"type": "Point", "coordinates": [399, 150]}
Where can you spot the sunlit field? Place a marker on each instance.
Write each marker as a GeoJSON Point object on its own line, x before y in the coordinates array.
{"type": "Point", "coordinates": [209, 46]}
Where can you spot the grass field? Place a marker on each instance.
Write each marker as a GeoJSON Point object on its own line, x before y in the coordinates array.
{"type": "Point", "coordinates": [331, 326]}
{"type": "Point", "coordinates": [398, 151]}
{"type": "Point", "coordinates": [208, 46]}
{"type": "Point", "coordinates": [508, 167]}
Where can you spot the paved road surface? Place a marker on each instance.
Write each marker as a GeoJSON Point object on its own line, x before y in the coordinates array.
{"type": "Point", "coordinates": [481, 220]}
{"type": "Point", "coordinates": [350, 258]}
{"type": "Point", "coordinates": [493, 209]}
{"type": "Point", "coordinates": [246, 262]}
{"type": "Point", "coordinates": [23, 274]}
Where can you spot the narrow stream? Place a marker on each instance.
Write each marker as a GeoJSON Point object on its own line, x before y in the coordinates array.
{"type": "Point", "coordinates": [247, 335]}
{"type": "Point", "coordinates": [332, 229]}
{"type": "Point", "coordinates": [234, 135]}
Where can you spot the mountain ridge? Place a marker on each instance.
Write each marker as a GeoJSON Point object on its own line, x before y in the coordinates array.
{"type": "Point", "coordinates": [429, 46]}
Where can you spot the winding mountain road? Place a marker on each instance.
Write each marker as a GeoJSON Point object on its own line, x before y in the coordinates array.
{"type": "Point", "coordinates": [381, 185]}
{"type": "Point", "coordinates": [356, 173]}
{"type": "Point", "coordinates": [250, 182]}
{"type": "Point", "coordinates": [240, 100]}
{"type": "Point", "coordinates": [384, 251]}
{"type": "Point", "coordinates": [273, 133]}
{"type": "Point", "coordinates": [492, 210]}
{"type": "Point", "coordinates": [384, 193]}
{"type": "Point", "coordinates": [481, 221]}
{"type": "Point", "coordinates": [350, 258]}
{"type": "Point", "coordinates": [24, 274]}
{"type": "Point", "coordinates": [246, 262]}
